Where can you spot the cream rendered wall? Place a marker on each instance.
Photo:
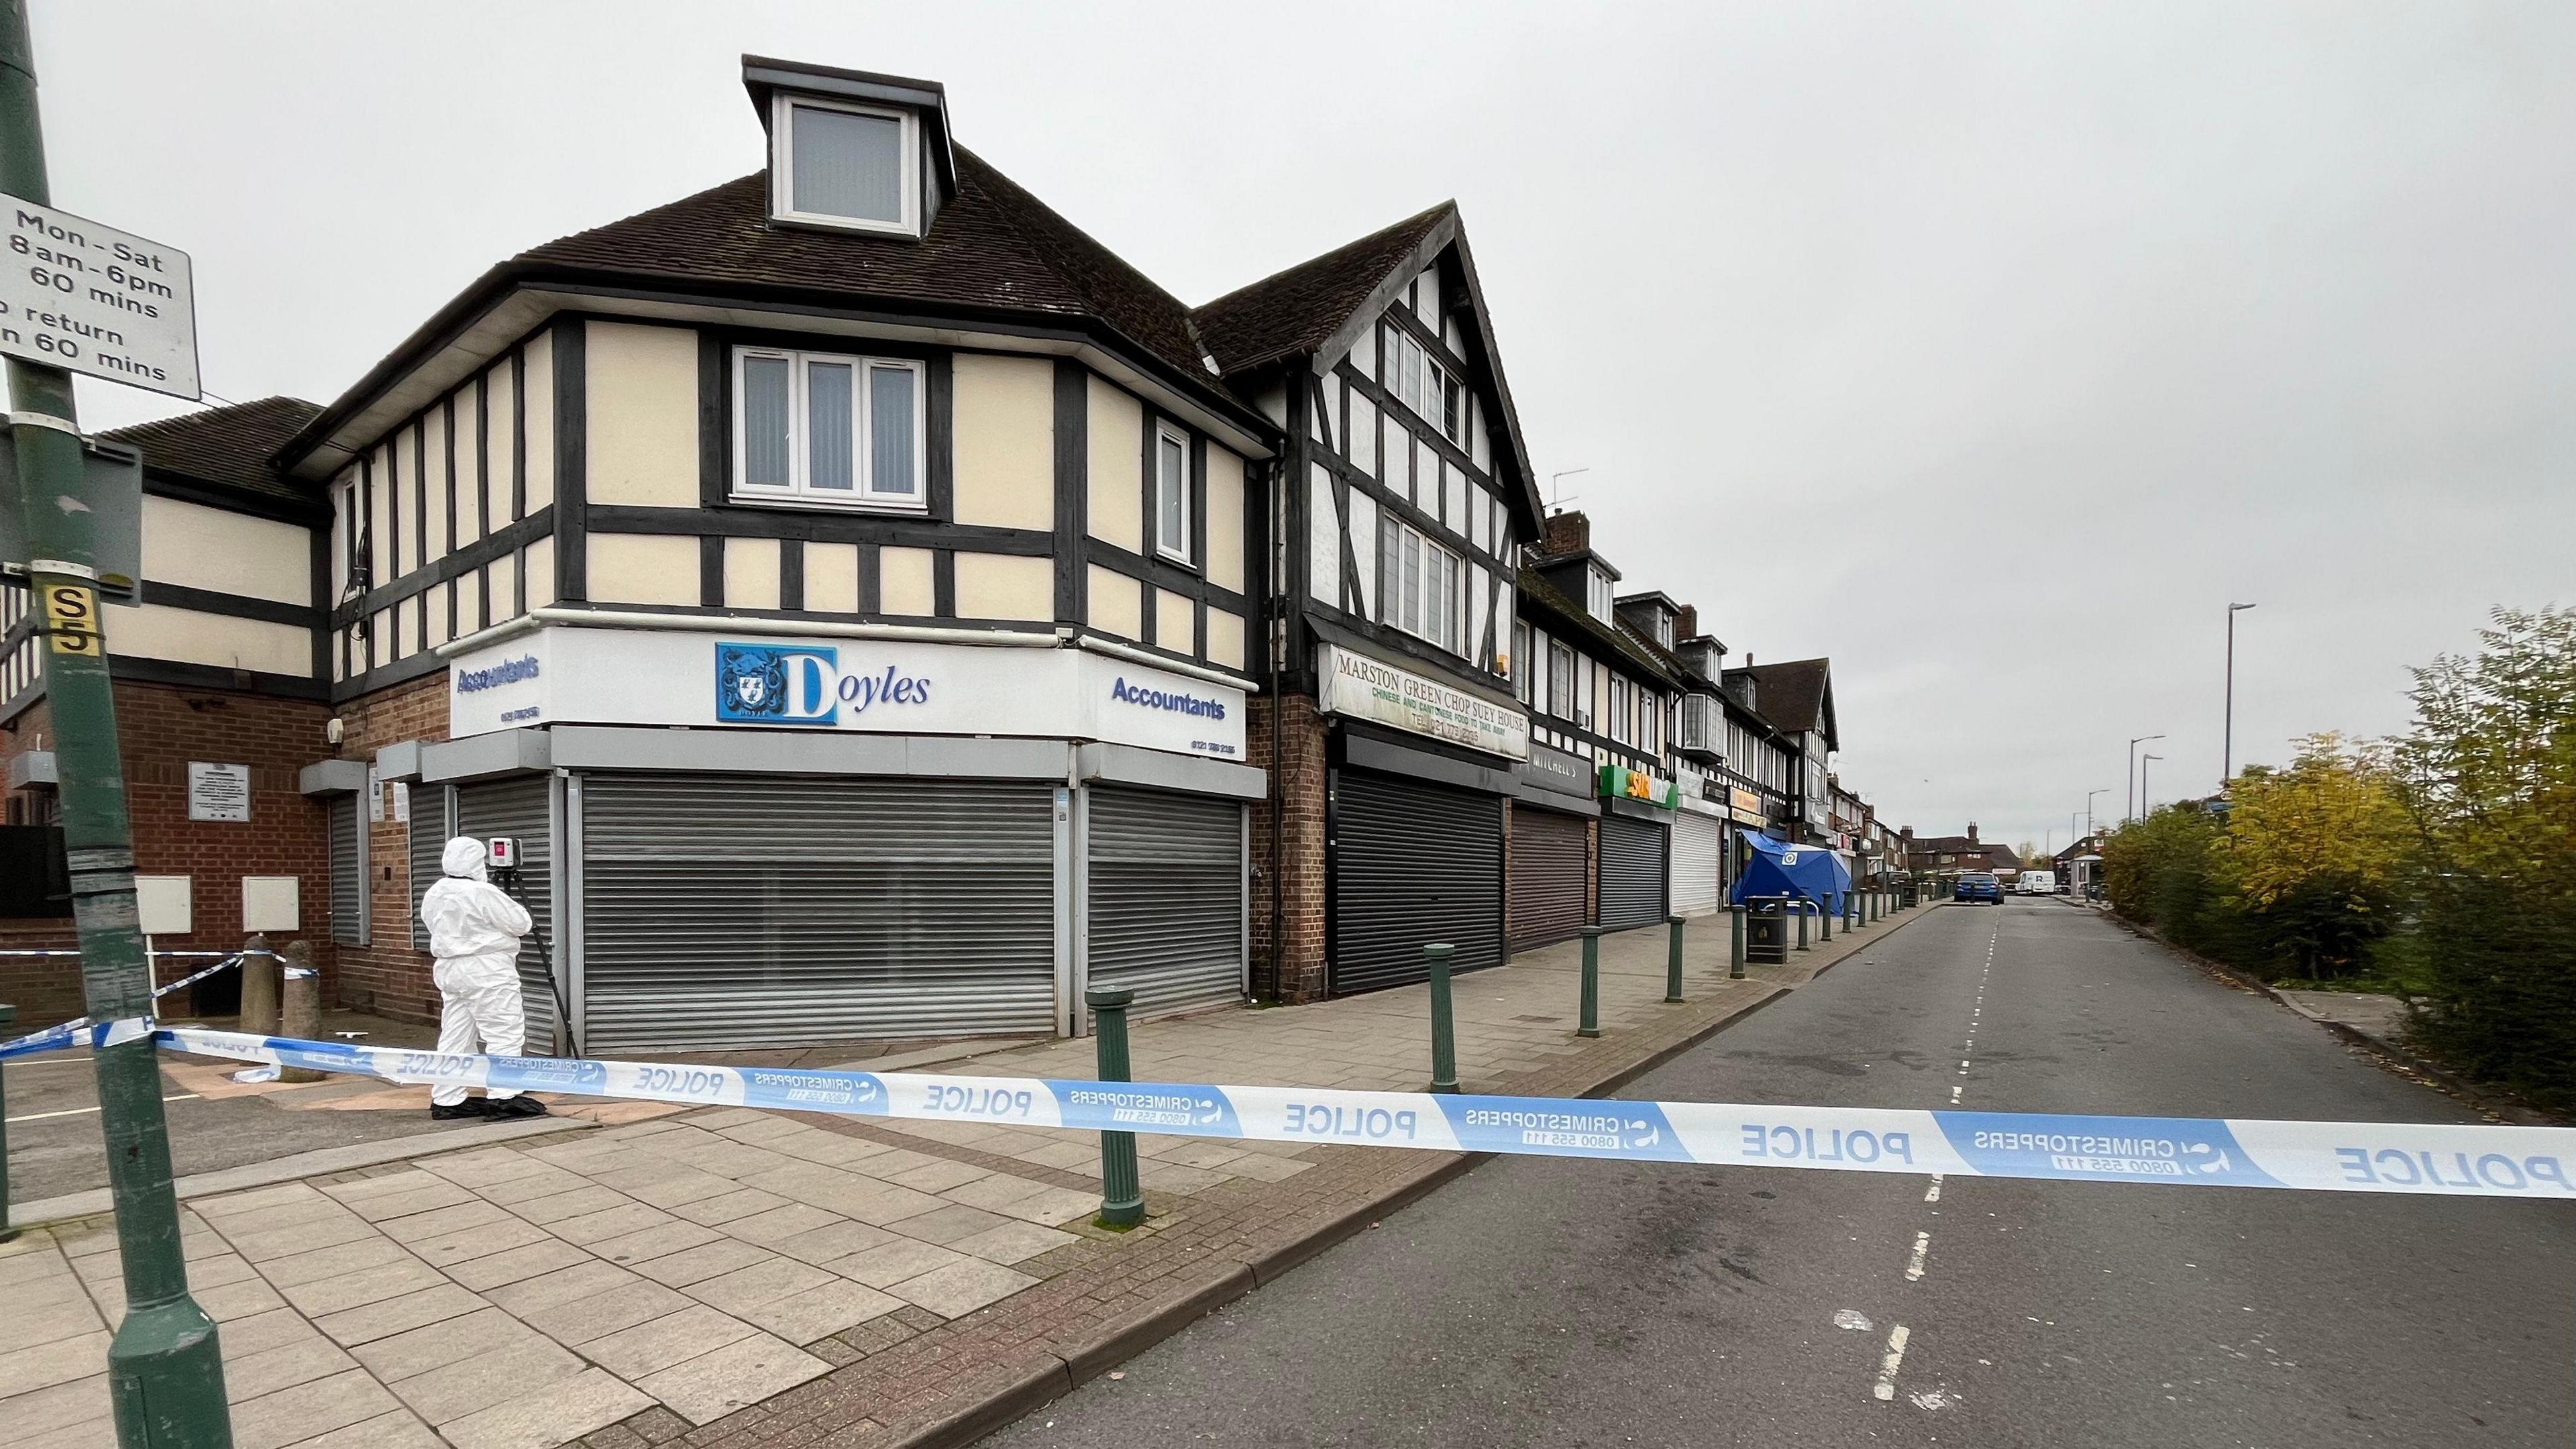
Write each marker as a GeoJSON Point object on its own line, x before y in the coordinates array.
{"type": "Point", "coordinates": [1225, 638]}
{"type": "Point", "coordinates": [832, 578]}
{"type": "Point", "coordinates": [541, 575]}
{"type": "Point", "coordinates": [229, 553]}
{"type": "Point", "coordinates": [436, 603]}
{"type": "Point", "coordinates": [640, 385]}
{"type": "Point", "coordinates": [157, 631]}
{"type": "Point", "coordinates": [378, 492]}
{"type": "Point", "coordinates": [541, 421]}
{"type": "Point", "coordinates": [1175, 622]}
{"type": "Point", "coordinates": [751, 573]}
{"type": "Point", "coordinates": [1117, 604]}
{"type": "Point", "coordinates": [500, 435]}
{"type": "Point", "coordinates": [637, 568]}
{"type": "Point", "coordinates": [904, 582]}
{"type": "Point", "coordinates": [1116, 467]}
{"type": "Point", "coordinates": [469, 490]}
{"type": "Point", "coordinates": [1005, 586]}
{"type": "Point", "coordinates": [1224, 518]}
{"type": "Point", "coordinates": [1004, 409]}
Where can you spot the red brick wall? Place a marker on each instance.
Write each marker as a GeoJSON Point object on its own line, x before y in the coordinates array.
{"type": "Point", "coordinates": [1290, 948]}
{"type": "Point", "coordinates": [161, 729]}
{"type": "Point", "coordinates": [387, 976]}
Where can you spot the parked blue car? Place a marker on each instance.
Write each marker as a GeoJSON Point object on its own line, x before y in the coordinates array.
{"type": "Point", "coordinates": [1980, 887]}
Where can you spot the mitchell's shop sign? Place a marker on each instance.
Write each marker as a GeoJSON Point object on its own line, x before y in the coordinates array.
{"type": "Point", "coordinates": [562, 675]}
{"type": "Point", "coordinates": [1372, 689]}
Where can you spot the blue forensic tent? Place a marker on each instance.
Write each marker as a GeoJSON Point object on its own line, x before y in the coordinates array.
{"type": "Point", "coordinates": [1781, 869]}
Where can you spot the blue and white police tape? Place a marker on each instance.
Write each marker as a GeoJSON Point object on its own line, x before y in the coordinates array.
{"type": "Point", "coordinates": [2471, 1161]}
{"type": "Point", "coordinates": [83, 1032]}
{"type": "Point", "coordinates": [64, 1034]}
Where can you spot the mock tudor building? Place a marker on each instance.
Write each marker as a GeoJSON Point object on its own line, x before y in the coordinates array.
{"type": "Point", "coordinates": [1797, 700]}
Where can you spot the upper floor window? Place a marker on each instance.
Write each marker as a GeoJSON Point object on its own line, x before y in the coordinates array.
{"type": "Point", "coordinates": [1422, 384]}
{"type": "Point", "coordinates": [1560, 681]}
{"type": "Point", "coordinates": [844, 165]}
{"type": "Point", "coordinates": [1596, 593]}
{"type": "Point", "coordinates": [1664, 629]}
{"type": "Point", "coordinates": [1520, 664]}
{"type": "Point", "coordinates": [1427, 590]}
{"type": "Point", "coordinates": [1172, 494]}
{"type": "Point", "coordinates": [819, 427]}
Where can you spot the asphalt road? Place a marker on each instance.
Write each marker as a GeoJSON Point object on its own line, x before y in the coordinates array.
{"type": "Point", "coordinates": [1551, 1302]}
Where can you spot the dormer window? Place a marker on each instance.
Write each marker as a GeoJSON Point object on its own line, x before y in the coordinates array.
{"type": "Point", "coordinates": [1664, 629]}
{"type": "Point", "coordinates": [836, 164]}
{"type": "Point", "coordinates": [1596, 594]}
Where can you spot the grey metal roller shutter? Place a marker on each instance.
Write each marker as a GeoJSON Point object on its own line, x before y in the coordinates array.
{"type": "Point", "coordinates": [1413, 862]}
{"type": "Point", "coordinates": [1551, 876]}
{"type": "Point", "coordinates": [348, 847]}
{"type": "Point", "coordinates": [517, 807]}
{"type": "Point", "coordinates": [751, 911]}
{"type": "Point", "coordinates": [429, 837]}
{"type": "Point", "coordinates": [1699, 854]}
{"type": "Point", "coordinates": [1166, 906]}
{"type": "Point", "coordinates": [1632, 873]}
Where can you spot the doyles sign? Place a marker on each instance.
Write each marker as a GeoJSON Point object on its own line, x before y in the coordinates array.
{"type": "Point", "coordinates": [95, 300]}
{"type": "Point", "coordinates": [1372, 689]}
{"type": "Point", "coordinates": [658, 677]}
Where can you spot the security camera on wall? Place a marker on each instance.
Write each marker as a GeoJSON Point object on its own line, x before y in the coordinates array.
{"type": "Point", "coordinates": [334, 728]}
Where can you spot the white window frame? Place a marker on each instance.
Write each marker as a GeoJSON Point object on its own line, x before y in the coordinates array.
{"type": "Point", "coordinates": [782, 151]}
{"type": "Point", "coordinates": [1437, 576]}
{"type": "Point", "coordinates": [1428, 398]}
{"type": "Point", "coordinates": [1177, 552]}
{"type": "Point", "coordinates": [863, 492]}
{"type": "Point", "coordinates": [1562, 662]}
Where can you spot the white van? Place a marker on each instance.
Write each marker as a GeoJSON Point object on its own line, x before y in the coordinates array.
{"type": "Point", "coordinates": [2035, 882]}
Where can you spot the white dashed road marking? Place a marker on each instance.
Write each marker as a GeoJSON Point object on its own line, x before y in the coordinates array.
{"type": "Point", "coordinates": [1885, 1388]}
{"type": "Point", "coordinates": [1914, 1265]}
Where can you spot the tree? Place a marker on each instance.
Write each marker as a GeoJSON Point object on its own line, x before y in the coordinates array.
{"type": "Point", "coordinates": [2320, 853]}
{"type": "Point", "coordinates": [2029, 854]}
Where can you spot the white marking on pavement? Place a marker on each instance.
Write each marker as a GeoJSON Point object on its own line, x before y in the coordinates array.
{"type": "Point", "coordinates": [1933, 1193]}
{"type": "Point", "coordinates": [85, 1111]}
{"type": "Point", "coordinates": [1885, 1388]}
{"type": "Point", "coordinates": [1852, 1318]}
{"type": "Point", "coordinates": [1954, 1094]}
{"type": "Point", "coordinates": [1941, 1398]}
{"type": "Point", "coordinates": [1914, 1266]}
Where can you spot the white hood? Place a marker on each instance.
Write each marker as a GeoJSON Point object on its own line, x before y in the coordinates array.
{"type": "Point", "coordinates": [463, 858]}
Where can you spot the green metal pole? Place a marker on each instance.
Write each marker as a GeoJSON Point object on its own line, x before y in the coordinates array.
{"type": "Point", "coordinates": [1798, 904]}
{"type": "Point", "coordinates": [1824, 921]}
{"type": "Point", "coordinates": [1444, 1027]}
{"type": "Point", "coordinates": [8, 1018]}
{"type": "Point", "coordinates": [1122, 1194]}
{"type": "Point", "coordinates": [1673, 965]}
{"type": "Point", "coordinates": [1735, 944]}
{"type": "Point", "coordinates": [1588, 1017]}
{"type": "Point", "coordinates": [164, 1367]}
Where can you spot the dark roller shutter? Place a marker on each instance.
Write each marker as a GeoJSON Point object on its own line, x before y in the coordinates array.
{"type": "Point", "coordinates": [1551, 874]}
{"type": "Point", "coordinates": [348, 846]}
{"type": "Point", "coordinates": [429, 837]}
{"type": "Point", "coordinates": [517, 807]}
{"type": "Point", "coordinates": [754, 911]}
{"type": "Point", "coordinates": [1166, 907]}
{"type": "Point", "coordinates": [1413, 862]}
{"type": "Point", "coordinates": [1632, 873]}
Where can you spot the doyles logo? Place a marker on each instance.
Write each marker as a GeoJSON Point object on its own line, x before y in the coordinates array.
{"type": "Point", "coordinates": [776, 684]}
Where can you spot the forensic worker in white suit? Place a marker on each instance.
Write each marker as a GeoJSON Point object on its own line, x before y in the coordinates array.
{"type": "Point", "coordinates": [474, 931]}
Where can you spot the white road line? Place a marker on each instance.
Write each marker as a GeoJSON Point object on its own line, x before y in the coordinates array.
{"type": "Point", "coordinates": [1933, 1193]}
{"type": "Point", "coordinates": [1954, 1094]}
{"type": "Point", "coordinates": [1914, 1266]}
{"type": "Point", "coordinates": [85, 1111]}
{"type": "Point", "coordinates": [1885, 1388]}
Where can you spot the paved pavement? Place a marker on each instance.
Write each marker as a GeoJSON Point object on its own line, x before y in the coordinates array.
{"type": "Point", "coordinates": [1548, 1302]}
{"type": "Point", "coordinates": [733, 1276]}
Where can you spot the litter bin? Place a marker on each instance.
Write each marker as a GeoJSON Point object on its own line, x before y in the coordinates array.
{"type": "Point", "coordinates": [1766, 930]}
{"type": "Point", "coordinates": [1905, 891]}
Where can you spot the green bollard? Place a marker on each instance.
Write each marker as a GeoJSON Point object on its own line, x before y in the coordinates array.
{"type": "Point", "coordinates": [1735, 942]}
{"type": "Point", "coordinates": [1673, 965]}
{"type": "Point", "coordinates": [1588, 1017]}
{"type": "Point", "coordinates": [1122, 1195]}
{"type": "Point", "coordinates": [1444, 1027]}
{"type": "Point", "coordinates": [1799, 904]}
{"type": "Point", "coordinates": [1824, 922]}
{"type": "Point", "coordinates": [1851, 912]}
{"type": "Point", "coordinates": [8, 1017]}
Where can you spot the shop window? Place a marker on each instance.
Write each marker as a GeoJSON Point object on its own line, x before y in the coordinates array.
{"type": "Point", "coordinates": [823, 428]}
{"type": "Point", "coordinates": [850, 166]}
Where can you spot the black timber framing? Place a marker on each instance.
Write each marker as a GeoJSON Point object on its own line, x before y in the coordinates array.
{"type": "Point", "coordinates": [510, 539]}
{"type": "Point", "coordinates": [901, 530]}
{"type": "Point", "coordinates": [1072, 409]}
{"type": "Point", "coordinates": [572, 465]}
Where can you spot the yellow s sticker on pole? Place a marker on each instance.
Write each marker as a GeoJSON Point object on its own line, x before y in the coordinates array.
{"type": "Point", "coordinates": [71, 619]}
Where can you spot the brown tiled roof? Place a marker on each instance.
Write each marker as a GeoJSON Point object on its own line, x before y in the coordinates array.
{"type": "Point", "coordinates": [1294, 311]}
{"type": "Point", "coordinates": [230, 446]}
{"type": "Point", "coordinates": [1791, 695]}
{"type": "Point", "coordinates": [994, 247]}
{"type": "Point", "coordinates": [1640, 655]}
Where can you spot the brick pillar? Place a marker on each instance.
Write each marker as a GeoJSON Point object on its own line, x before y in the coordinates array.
{"type": "Point", "coordinates": [1288, 951]}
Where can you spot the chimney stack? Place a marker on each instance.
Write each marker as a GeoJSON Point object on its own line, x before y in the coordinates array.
{"type": "Point", "coordinates": [1567, 532]}
{"type": "Point", "coordinates": [1972, 832]}
{"type": "Point", "coordinates": [1686, 622]}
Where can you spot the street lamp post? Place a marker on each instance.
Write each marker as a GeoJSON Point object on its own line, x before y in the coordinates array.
{"type": "Point", "coordinates": [2143, 798]}
{"type": "Point", "coordinates": [2129, 781]}
{"type": "Point", "coordinates": [2088, 807]}
{"type": "Point", "coordinates": [2227, 736]}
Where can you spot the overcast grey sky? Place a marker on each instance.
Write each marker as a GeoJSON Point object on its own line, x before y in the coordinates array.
{"type": "Point", "coordinates": [1988, 349]}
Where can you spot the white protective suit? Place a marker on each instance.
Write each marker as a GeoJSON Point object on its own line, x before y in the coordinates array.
{"type": "Point", "coordinates": [474, 931]}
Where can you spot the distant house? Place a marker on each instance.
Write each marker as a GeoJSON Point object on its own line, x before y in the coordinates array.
{"type": "Point", "coordinates": [1950, 854]}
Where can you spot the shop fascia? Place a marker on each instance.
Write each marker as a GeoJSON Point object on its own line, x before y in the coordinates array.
{"type": "Point", "coordinates": [1618, 782]}
{"type": "Point", "coordinates": [563, 674]}
{"type": "Point", "coordinates": [1361, 686]}
{"type": "Point", "coordinates": [1698, 794]}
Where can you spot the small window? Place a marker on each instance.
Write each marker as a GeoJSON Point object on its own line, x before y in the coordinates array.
{"type": "Point", "coordinates": [820, 428]}
{"type": "Point", "coordinates": [1520, 665]}
{"type": "Point", "coordinates": [1422, 384]}
{"type": "Point", "coordinates": [1560, 681]}
{"type": "Point", "coordinates": [845, 166]}
{"type": "Point", "coordinates": [1427, 590]}
{"type": "Point", "coordinates": [1172, 495]}
{"type": "Point", "coordinates": [1596, 588]}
